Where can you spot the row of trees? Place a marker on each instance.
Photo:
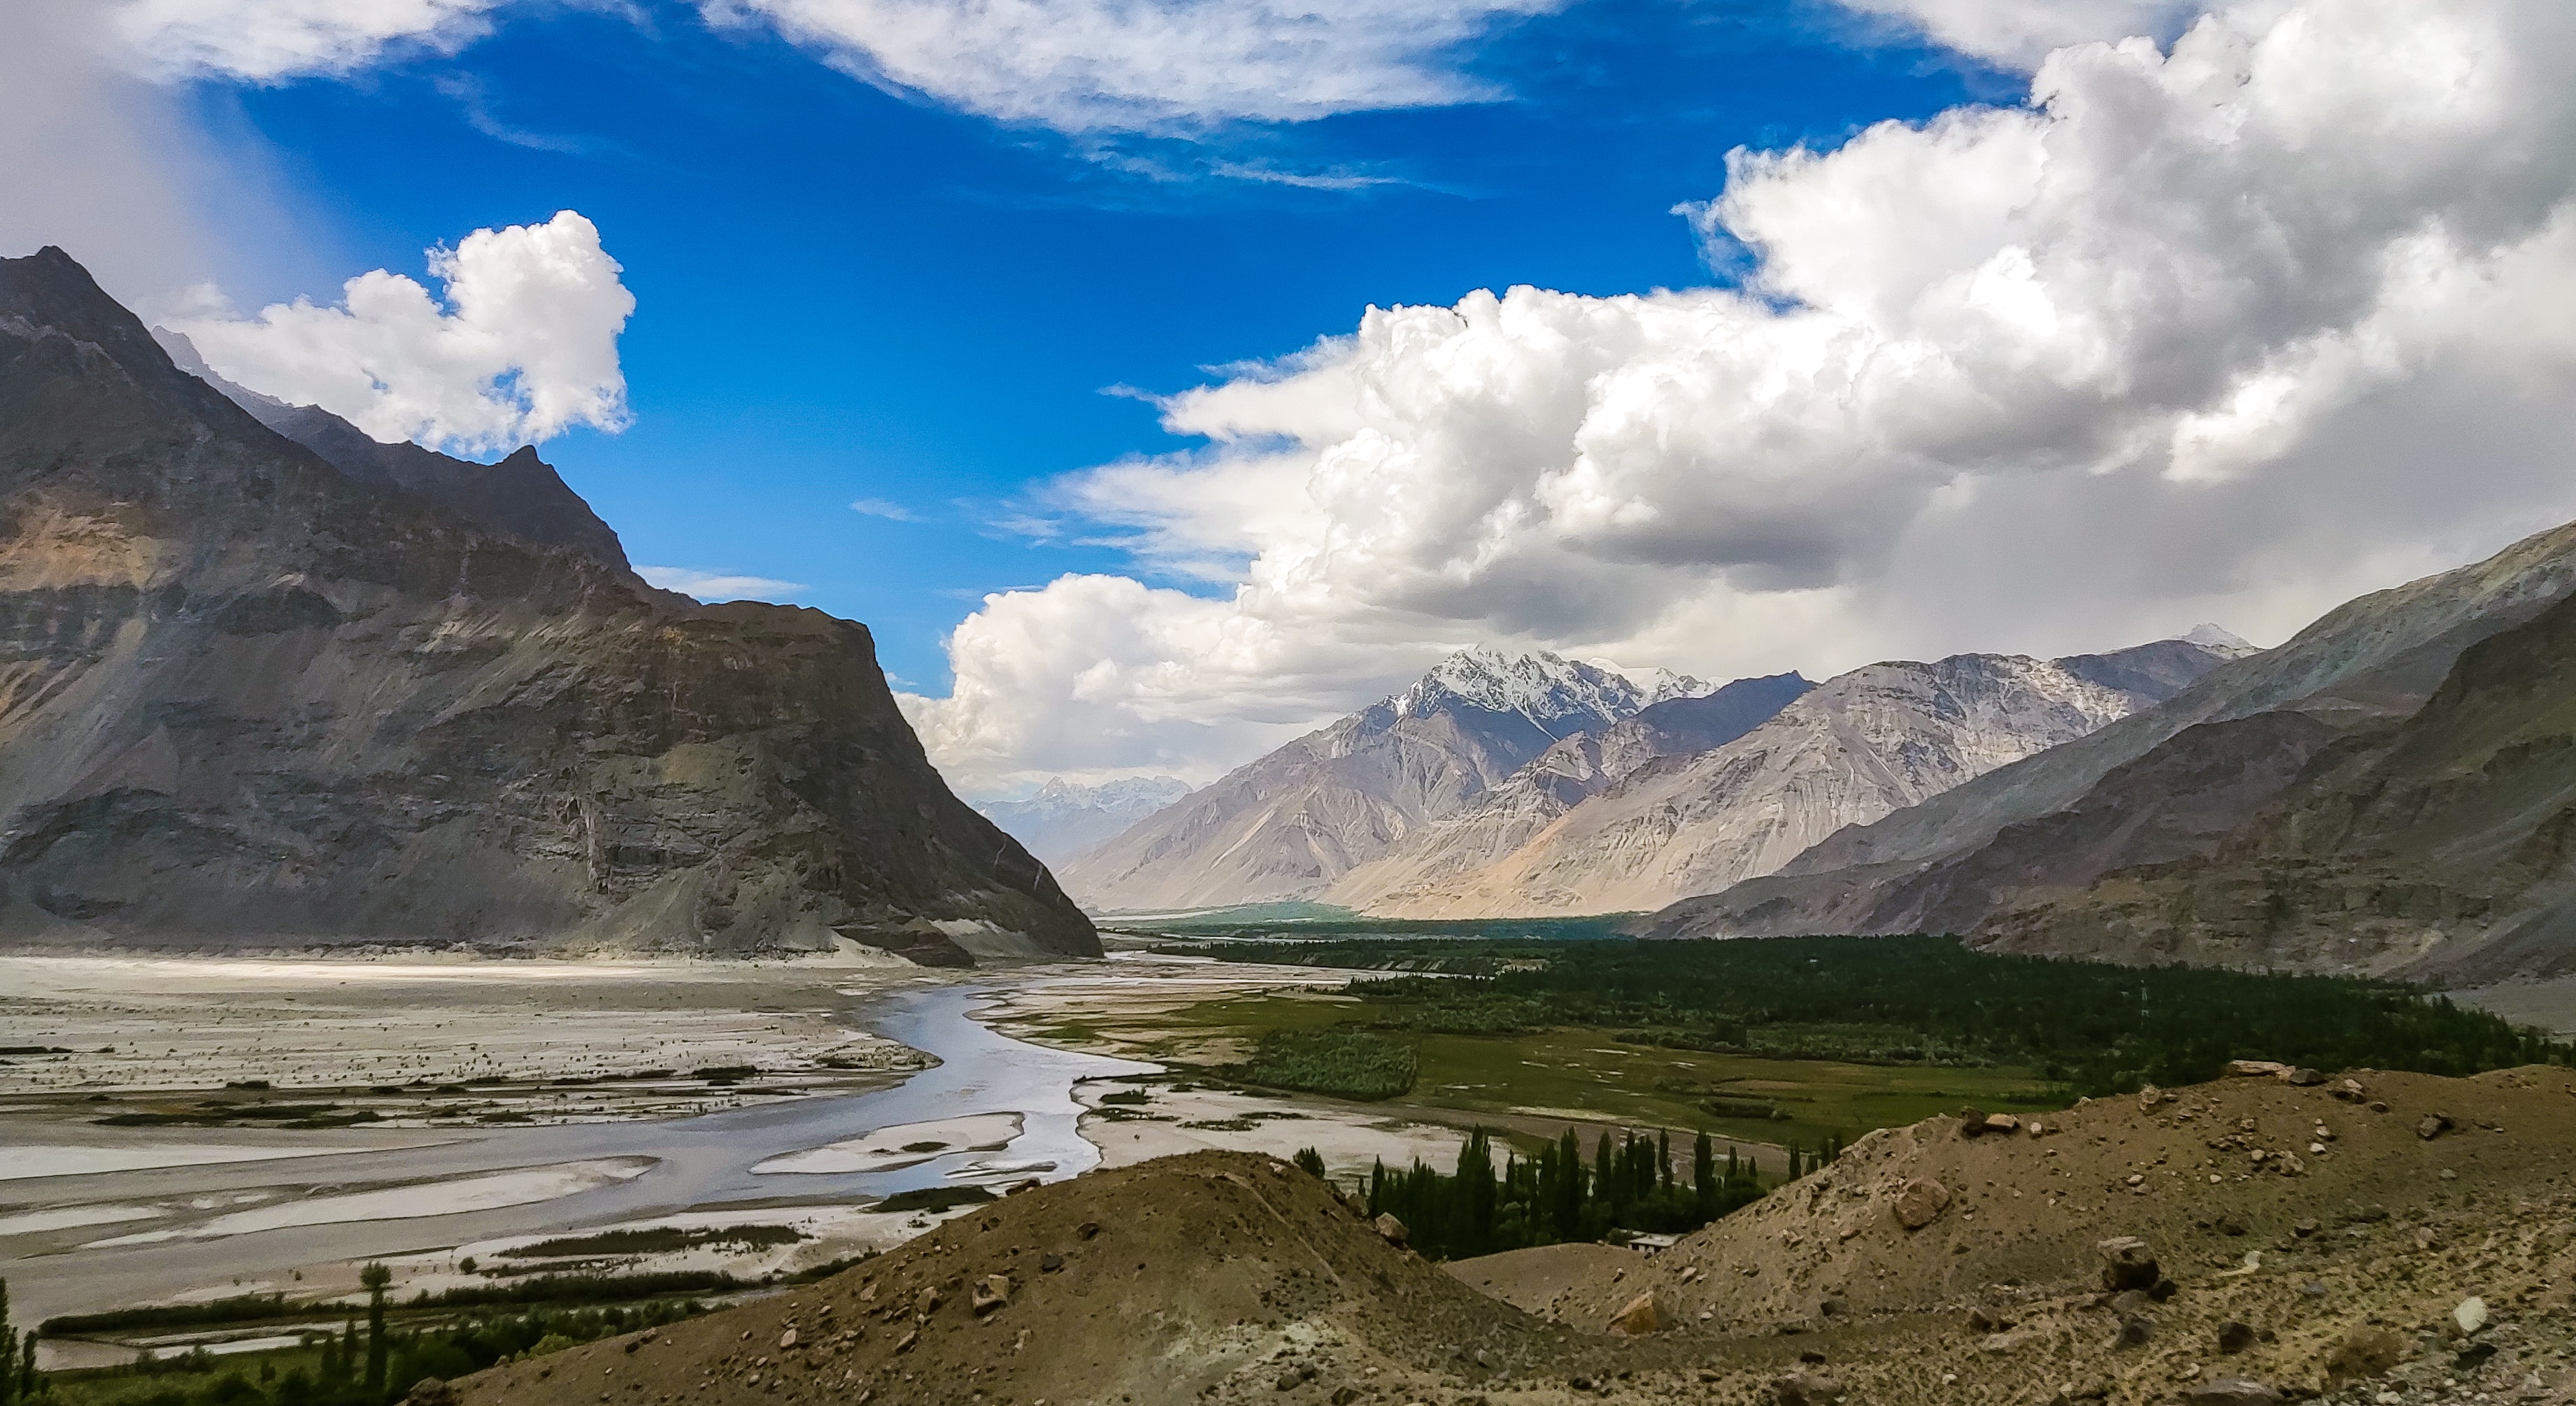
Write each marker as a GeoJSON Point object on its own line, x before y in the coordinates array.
{"type": "Point", "coordinates": [1628, 1183]}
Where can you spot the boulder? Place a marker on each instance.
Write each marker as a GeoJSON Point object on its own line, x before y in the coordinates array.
{"type": "Point", "coordinates": [2135, 1332]}
{"type": "Point", "coordinates": [2350, 1091]}
{"type": "Point", "coordinates": [1972, 1121]}
{"type": "Point", "coordinates": [2302, 1077]}
{"type": "Point", "coordinates": [1391, 1230]}
{"type": "Point", "coordinates": [1638, 1319]}
{"type": "Point", "coordinates": [2256, 1068]}
{"type": "Point", "coordinates": [2433, 1125]}
{"type": "Point", "coordinates": [2235, 1337]}
{"type": "Point", "coordinates": [2471, 1316]}
{"type": "Point", "coordinates": [1920, 1202]}
{"type": "Point", "coordinates": [2229, 1391]}
{"type": "Point", "coordinates": [2127, 1263]}
{"type": "Point", "coordinates": [2002, 1123]}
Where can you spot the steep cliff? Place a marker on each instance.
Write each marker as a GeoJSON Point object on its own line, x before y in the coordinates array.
{"type": "Point", "coordinates": [251, 699]}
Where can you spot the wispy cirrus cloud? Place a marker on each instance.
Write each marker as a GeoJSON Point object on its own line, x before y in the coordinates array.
{"type": "Point", "coordinates": [885, 508]}
{"type": "Point", "coordinates": [719, 585]}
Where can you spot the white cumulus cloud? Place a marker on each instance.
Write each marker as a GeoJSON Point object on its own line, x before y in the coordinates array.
{"type": "Point", "coordinates": [522, 347]}
{"type": "Point", "coordinates": [2020, 33]}
{"type": "Point", "coordinates": [718, 585]}
{"type": "Point", "coordinates": [264, 41]}
{"type": "Point", "coordinates": [2228, 331]}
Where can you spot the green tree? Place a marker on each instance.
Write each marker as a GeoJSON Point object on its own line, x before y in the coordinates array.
{"type": "Point", "coordinates": [8, 1351]}
{"type": "Point", "coordinates": [375, 1277]}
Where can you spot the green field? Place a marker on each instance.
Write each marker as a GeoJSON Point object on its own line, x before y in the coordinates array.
{"type": "Point", "coordinates": [1587, 1073]}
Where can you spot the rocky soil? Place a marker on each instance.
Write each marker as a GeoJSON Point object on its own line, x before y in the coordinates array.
{"type": "Point", "coordinates": [2402, 1240]}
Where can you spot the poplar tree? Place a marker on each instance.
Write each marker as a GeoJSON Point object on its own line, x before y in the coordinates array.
{"type": "Point", "coordinates": [375, 1277]}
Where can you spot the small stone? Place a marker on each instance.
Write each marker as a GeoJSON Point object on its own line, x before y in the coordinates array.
{"type": "Point", "coordinates": [2002, 1123]}
{"type": "Point", "coordinates": [904, 1344]}
{"type": "Point", "coordinates": [2235, 1337]}
{"type": "Point", "coordinates": [2229, 1391]}
{"type": "Point", "coordinates": [992, 1292]}
{"type": "Point", "coordinates": [2302, 1077]}
{"type": "Point", "coordinates": [2127, 1264]}
{"type": "Point", "coordinates": [2304, 1229]}
{"type": "Point", "coordinates": [1920, 1202]}
{"type": "Point", "coordinates": [787, 1339]}
{"type": "Point", "coordinates": [1972, 1122]}
{"type": "Point", "coordinates": [1806, 1389]}
{"type": "Point", "coordinates": [1049, 1264]}
{"type": "Point", "coordinates": [2471, 1315]}
{"type": "Point", "coordinates": [2134, 1332]}
{"type": "Point", "coordinates": [2364, 1352]}
{"type": "Point", "coordinates": [2433, 1125]}
{"type": "Point", "coordinates": [2006, 1344]}
{"type": "Point", "coordinates": [2256, 1068]}
{"type": "Point", "coordinates": [2349, 1090]}
{"type": "Point", "coordinates": [1638, 1319]}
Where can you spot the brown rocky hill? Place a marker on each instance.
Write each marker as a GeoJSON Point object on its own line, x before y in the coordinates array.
{"type": "Point", "coordinates": [248, 699]}
{"type": "Point", "coordinates": [2162, 784]}
{"type": "Point", "coordinates": [2340, 1256]}
{"type": "Point", "coordinates": [2442, 846]}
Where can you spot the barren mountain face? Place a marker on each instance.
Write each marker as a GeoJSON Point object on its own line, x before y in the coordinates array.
{"type": "Point", "coordinates": [2163, 785]}
{"type": "Point", "coordinates": [1289, 824]}
{"type": "Point", "coordinates": [1857, 747]}
{"type": "Point", "coordinates": [251, 698]}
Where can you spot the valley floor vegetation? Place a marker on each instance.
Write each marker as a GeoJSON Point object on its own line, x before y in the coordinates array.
{"type": "Point", "coordinates": [2087, 1029]}
{"type": "Point", "coordinates": [1629, 1185]}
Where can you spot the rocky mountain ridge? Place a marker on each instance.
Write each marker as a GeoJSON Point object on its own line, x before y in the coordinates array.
{"type": "Point", "coordinates": [1286, 825]}
{"type": "Point", "coordinates": [2165, 785]}
{"type": "Point", "coordinates": [251, 699]}
{"type": "Point", "coordinates": [1850, 750]}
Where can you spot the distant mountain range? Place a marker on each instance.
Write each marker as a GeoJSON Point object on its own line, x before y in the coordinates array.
{"type": "Point", "coordinates": [1526, 783]}
{"type": "Point", "coordinates": [2394, 789]}
{"type": "Point", "coordinates": [1289, 824]}
{"type": "Point", "coordinates": [1065, 818]}
{"type": "Point", "coordinates": [266, 683]}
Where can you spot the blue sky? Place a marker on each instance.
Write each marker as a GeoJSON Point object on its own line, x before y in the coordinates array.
{"type": "Point", "coordinates": [1214, 366]}
{"type": "Point", "coordinates": [843, 293]}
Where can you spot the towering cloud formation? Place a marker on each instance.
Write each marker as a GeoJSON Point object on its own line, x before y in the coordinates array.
{"type": "Point", "coordinates": [2230, 331]}
{"type": "Point", "coordinates": [524, 348]}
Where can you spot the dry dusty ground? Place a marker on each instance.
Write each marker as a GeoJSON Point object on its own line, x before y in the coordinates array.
{"type": "Point", "coordinates": [420, 1041]}
{"type": "Point", "coordinates": [1225, 1277]}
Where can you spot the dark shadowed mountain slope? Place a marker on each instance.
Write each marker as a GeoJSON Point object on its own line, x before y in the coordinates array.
{"type": "Point", "coordinates": [247, 699]}
{"type": "Point", "coordinates": [1930, 867]}
{"type": "Point", "coordinates": [521, 496]}
{"type": "Point", "coordinates": [2441, 846]}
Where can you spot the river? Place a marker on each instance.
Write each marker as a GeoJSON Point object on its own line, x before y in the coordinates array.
{"type": "Point", "coordinates": [695, 1162]}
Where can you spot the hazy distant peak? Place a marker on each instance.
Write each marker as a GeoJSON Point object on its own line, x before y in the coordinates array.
{"type": "Point", "coordinates": [1125, 790]}
{"type": "Point", "coordinates": [1541, 686]}
{"type": "Point", "coordinates": [2218, 637]}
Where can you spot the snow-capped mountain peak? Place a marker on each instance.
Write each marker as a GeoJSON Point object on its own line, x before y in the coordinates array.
{"type": "Point", "coordinates": [1536, 684]}
{"type": "Point", "coordinates": [2219, 638]}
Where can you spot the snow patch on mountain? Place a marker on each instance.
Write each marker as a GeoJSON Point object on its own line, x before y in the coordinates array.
{"type": "Point", "coordinates": [1543, 687]}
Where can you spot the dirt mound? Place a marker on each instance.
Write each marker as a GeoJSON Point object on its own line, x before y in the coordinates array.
{"type": "Point", "coordinates": [1216, 1271]}
{"type": "Point", "coordinates": [1221, 1276]}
